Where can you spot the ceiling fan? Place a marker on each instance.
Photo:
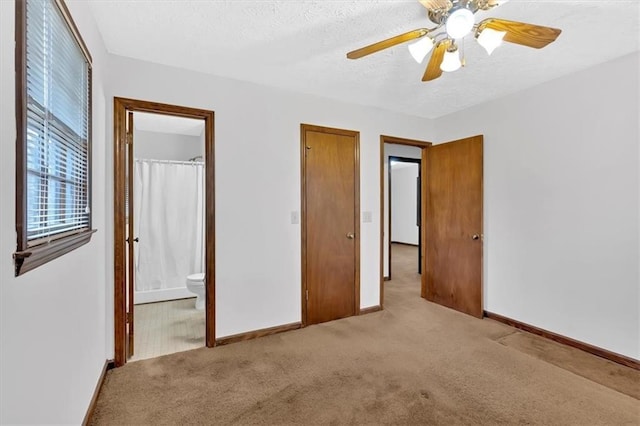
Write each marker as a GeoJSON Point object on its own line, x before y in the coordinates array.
{"type": "Point", "coordinates": [457, 18]}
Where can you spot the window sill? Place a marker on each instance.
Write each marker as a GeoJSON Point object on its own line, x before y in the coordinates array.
{"type": "Point", "coordinates": [33, 257]}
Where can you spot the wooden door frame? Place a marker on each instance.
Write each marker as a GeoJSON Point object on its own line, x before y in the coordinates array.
{"type": "Point", "coordinates": [303, 211]}
{"type": "Point", "coordinates": [423, 145]}
{"type": "Point", "coordinates": [121, 107]}
{"type": "Point", "coordinates": [417, 161]}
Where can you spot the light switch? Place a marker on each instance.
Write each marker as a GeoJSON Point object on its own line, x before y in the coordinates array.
{"type": "Point", "coordinates": [295, 217]}
{"type": "Point", "coordinates": [367, 217]}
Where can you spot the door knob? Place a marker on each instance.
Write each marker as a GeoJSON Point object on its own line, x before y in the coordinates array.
{"type": "Point", "coordinates": [475, 237]}
{"type": "Point", "coordinates": [351, 235]}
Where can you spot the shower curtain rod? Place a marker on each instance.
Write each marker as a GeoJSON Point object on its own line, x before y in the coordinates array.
{"type": "Point", "coordinates": [170, 161]}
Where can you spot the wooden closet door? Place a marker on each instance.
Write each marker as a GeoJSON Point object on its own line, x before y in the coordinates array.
{"type": "Point", "coordinates": [330, 224]}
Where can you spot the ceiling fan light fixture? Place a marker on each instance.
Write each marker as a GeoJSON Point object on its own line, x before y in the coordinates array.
{"type": "Point", "coordinates": [460, 23]}
{"type": "Point", "coordinates": [451, 61]}
{"type": "Point", "coordinates": [421, 48]}
{"type": "Point", "coordinates": [490, 39]}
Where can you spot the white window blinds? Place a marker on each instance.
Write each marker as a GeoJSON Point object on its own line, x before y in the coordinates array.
{"type": "Point", "coordinates": [57, 126]}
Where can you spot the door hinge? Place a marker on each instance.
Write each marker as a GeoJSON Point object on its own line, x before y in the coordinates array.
{"type": "Point", "coordinates": [127, 139]}
{"type": "Point", "coordinates": [307, 294]}
{"type": "Point", "coordinates": [128, 319]}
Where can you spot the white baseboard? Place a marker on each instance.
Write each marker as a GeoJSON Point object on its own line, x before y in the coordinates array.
{"type": "Point", "coordinates": [161, 295]}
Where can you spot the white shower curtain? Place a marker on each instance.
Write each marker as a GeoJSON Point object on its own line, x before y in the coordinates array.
{"type": "Point", "coordinates": [169, 222]}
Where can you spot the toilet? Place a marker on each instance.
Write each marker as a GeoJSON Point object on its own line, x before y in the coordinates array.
{"type": "Point", "coordinates": [195, 284]}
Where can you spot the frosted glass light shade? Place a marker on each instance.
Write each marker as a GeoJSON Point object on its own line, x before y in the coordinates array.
{"type": "Point", "coordinates": [490, 39]}
{"type": "Point", "coordinates": [420, 48]}
{"type": "Point", "coordinates": [451, 61]}
{"type": "Point", "coordinates": [460, 23]}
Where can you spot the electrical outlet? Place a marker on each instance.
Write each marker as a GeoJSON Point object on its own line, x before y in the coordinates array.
{"type": "Point", "coordinates": [295, 217]}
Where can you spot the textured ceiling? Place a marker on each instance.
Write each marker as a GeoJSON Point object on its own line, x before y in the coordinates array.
{"type": "Point", "coordinates": [301, 46]}
{"type": "Point", "coordinates": [167, 124]}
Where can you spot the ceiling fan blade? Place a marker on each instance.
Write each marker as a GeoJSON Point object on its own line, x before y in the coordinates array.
{"type": "Point", "coordinates": [437, 4]}
{"type": "Point", "coordinates": [433, 70]}
{"type": "Point", "coordinates": [384, 44]}
{"type": "Point", "coordinates": [522, 33]}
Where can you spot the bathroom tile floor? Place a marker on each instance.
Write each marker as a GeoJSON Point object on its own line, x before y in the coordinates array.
{"type": "Point", "coordinates": [163, 328]}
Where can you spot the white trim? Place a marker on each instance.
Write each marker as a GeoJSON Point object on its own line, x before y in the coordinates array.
{"type": "Point", "coordinates": [161, 295]}
{"type": "Point", "coordinates": [189, 162]}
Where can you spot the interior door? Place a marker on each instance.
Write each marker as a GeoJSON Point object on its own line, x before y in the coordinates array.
{"type": "Point", "coordinates": [454, 226]}
{"type": "Point", "coordinates": [331, 231]}
{"type": "Point", "coordinates": [131, 240]}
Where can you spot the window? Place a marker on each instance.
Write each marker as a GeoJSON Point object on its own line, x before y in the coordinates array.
{"type": "Point", "coordinates": [53, 146]}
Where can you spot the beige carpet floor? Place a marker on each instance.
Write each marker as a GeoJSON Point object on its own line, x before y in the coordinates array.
{"type": "Point", "coordinates": [413, 363]}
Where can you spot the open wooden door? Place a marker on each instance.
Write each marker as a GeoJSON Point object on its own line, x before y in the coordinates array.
{"type": "Point", "coordinates": [131, 239]}
{"type": "Point", "coordinates": [453, 191]}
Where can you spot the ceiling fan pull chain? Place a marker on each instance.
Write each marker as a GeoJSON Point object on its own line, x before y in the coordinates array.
{"type": "Point", "coordinates": [464, 56]}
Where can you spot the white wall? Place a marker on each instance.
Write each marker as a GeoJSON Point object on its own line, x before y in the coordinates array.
{"type": "Point", "coordinates": [52, 319]}
{"type": "Point", "coordinates": [404, 203]}
{"type": "Point", "coordinates": [561, 203]}
{"type": "Point", "coordinates": [393, 150]}
{"type": "Point", "coordinates": [166, 146]}
{"type": "Point", "coordinates": [257, 134]}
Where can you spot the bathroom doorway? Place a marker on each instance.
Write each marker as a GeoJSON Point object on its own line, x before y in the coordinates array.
{"type": "Point", "coordinates": [164, 234]}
